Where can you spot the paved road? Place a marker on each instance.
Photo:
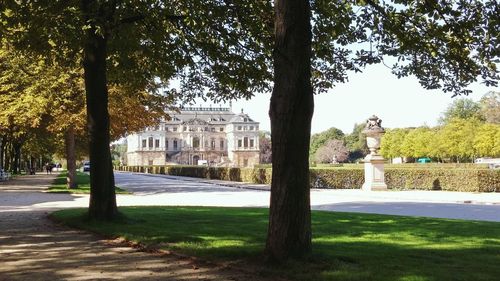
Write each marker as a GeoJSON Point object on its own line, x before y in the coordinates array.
{"type": "Point", "coordinates": [168, 190]}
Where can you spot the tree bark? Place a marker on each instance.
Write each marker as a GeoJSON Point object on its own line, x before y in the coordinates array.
{"type": "Point", "coordinates": [2, 150]}
{"type": "Point", "coordinates": [292, 106]}
{"type": "Point", "coordinates": [16, 165]}
{"type": "Point", "coordinates": [69, 142]}
{"type": "Point", "coordinates": [102, 205]}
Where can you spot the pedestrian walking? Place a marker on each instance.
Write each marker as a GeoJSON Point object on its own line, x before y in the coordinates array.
{"type": "Point", "coordinates": [48, 168]}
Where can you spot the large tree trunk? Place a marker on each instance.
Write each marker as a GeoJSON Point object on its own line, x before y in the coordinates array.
{"type": "Point", "coordinates": [102, 203]}
{"type": "Point", "coordinates": [69, 142]}
{"type": "Point", "coordinates": [292, 106]}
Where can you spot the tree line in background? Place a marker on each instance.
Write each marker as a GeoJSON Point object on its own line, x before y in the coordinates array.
{"type": "Point", "coordinates": [44, 114]}
{"type": "Point", "coordinates": [467, 130]}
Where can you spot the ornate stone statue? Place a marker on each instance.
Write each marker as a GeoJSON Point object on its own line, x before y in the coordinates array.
{"type": "Point", "coordinates": [374, 123]}
{"type": "Point", "coordinates": [374, 163]}
{"type": "Point", "coordinates": [373, 132]}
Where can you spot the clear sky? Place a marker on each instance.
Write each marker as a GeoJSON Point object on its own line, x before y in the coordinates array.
{"type": "Point", "coordinates": [398, 102]}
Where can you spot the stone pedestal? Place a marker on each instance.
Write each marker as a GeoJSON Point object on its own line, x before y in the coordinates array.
{"type": "Point", "coordinates": [374, 173]}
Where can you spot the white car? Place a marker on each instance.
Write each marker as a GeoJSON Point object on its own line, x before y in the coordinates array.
{"type": "Point", "coordinates": [86, 166]}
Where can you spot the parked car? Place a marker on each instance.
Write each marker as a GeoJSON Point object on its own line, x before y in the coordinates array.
{"type": "Point", "coordinates": [86, 166]}
{"type": "Point", "coordinates": [424, 160]}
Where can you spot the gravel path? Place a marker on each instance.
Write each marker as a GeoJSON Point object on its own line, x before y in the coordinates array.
{"type": "Point", "coordinates": [34, 248]}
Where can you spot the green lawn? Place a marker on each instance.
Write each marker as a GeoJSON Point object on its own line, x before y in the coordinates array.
{"type": "Point", "coordinates": [346, 246]}
{"type": "Point", "coordinates": [83, 180]}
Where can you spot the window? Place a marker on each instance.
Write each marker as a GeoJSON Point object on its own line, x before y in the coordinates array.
{"type": "Point", "coordinates": [245, 128]}
{"type": "Point", "coordinates": [239, 128]}
{"type": "Point", "coordinates": [184, 129]}
{"type": "Point", "coordinates": [221, 129]}
{"type": "Point", "coordinates": [150, 142]}
{"type": "Point", "coordinates": [175, 129]}
{"type": "Point", "coordinates": [166, 144]}
{"type": "Point", "coordinates": [212, 129]}
{"type": "Point", "coordinates": [251, 143]}
{"type": "Point", "coordinates": [206, 129]}
{"type": "Point", "coordinates": [251, 128]}
{"type": "Point", "coordinates": [221, 144]}
{"type": "Point", "coordinates": [144, 143]}
{"type": "Point", "coordinates": [157, 143]}
{"type": "Point", "coordinates": [239, 143]}
{"type": "Point", "coordinates": [167, 128]}
{"type": "Point", "coordinates": [175, 144]}
{"type": "Point", "coordinates": [245, 142]}
{"type": "Point", "coordinates": [196, 142]}
{"type": "Point", "coordinates": [245, 162]}
{"type": "Point", "coordinates": [212, 143]}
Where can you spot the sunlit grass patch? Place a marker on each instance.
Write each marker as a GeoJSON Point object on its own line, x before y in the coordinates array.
{"type": "Point", "coordinates": [83, 180]}
{"type": "Point", "coordinates": [346, 246]}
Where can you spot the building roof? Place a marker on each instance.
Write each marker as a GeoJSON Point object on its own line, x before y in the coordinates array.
{"type": "Point", "coordinates": [207, 116]}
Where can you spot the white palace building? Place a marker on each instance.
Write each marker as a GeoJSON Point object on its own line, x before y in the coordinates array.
{"type": "Point", "coordinates": [198, 135]}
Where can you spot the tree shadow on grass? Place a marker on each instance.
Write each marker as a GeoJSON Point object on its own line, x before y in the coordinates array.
{"type": "Point", "coordinates": [347, 246]}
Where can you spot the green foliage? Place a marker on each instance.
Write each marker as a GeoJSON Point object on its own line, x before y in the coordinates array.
{"type": "Point", "coordinates": [337, 178]}
{"type": "Point", "coordinates": [320, 139]}
{"type": "Point", "coordinates": [391, 143]}
{"type": "Point", "coordinates": [462, 109]}
{"type": "Point", "coordinates": [82, 179]}
{"type": "Point", "coordinates": [486, 140]}
{"type": "Point", "coordinates": [467, 180]}
{"type": "Point", "coordinates": [417, 142]}
{"type": "Point", "coordinates": [253, 175]}
{"type": "Point", "coordinates": [452, 177]}
{"type": "Point", "coordinates": [459, 140]}
{"type": "Point", "coordinates": [348, 246]}
{"type": "Point", "coordinates": [219, 50]}
{"type": "Point", "coordinates": [356, 142]}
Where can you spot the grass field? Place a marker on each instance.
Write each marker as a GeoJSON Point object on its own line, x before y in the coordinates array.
{"type": "Point", "coordinates": [346, 246]}
{"type": "Point", "coordinates": [83, 180]}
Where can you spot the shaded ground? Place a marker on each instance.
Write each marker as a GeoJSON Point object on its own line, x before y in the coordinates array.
{"type": "Point", "coordinates": [34, 248]}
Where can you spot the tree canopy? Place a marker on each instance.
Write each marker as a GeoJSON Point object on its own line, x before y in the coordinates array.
{"type": "Point", "coordinates": [320, 139]}
{"type": "Point", "coordinates": [490, 107]}
{"type": "Point", "coordinates": [463, 108]}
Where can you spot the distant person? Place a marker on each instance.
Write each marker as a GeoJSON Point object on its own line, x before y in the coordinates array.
{"type": "Point", "coordinates": [48, 168]}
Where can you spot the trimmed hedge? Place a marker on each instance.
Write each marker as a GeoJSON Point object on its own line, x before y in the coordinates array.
{"type": "Point", "coordinates": [253, 175]}
{"type": "Point", "coordinates": [469, 180]}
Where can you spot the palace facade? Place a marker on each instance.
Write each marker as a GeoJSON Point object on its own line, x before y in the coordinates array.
{"type": "Point", "coordinates": [198, 135]}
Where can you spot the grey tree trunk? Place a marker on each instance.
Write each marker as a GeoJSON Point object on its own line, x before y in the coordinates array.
{"type": "Point", "coordinates": [69, 141]}
{"type": "Point", "coordinates": [291, 110]}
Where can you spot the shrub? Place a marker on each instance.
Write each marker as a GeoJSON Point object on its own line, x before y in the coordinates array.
{"type": "Point", "coordinates": [396, 178]}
